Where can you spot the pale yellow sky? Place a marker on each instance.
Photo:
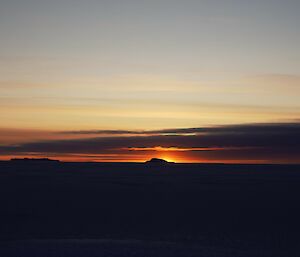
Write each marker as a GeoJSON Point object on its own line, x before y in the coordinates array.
{"type": "Point", "coordinates": [149, 102]}
{"type": "Point", "coordinates": [148, 64]}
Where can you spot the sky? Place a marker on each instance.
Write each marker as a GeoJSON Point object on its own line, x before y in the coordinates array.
{"type": "Point", "coordinates": [120, 73]}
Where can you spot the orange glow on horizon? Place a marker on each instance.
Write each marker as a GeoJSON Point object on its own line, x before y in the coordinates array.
{"type": "Point", "coordinates": [141, 159]}
{"type": "Point", "coordinates": [170, 154]}
{"type": "Point", "coordinates": [170, 149]}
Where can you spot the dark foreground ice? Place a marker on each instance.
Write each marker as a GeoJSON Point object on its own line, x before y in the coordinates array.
{"type": "Point", "coordinates": [124, 248]}
{"type": "Point", "coordinates": [68, 209]}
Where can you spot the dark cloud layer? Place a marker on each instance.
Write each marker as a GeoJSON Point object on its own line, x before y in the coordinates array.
{"type": "Point", "coordinates": [271, 142]}
{"type": "Point", "coordinates": [244, 128]}
{"type": "Point", "coordinates": [254, 127]}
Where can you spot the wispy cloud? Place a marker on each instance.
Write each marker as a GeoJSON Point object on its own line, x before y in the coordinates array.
{"type": "Point", "coordinates": [240, 128]}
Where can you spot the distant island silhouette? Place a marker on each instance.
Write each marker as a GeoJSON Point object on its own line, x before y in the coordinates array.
{"type": "Point", "coordinates": [158, 161]}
